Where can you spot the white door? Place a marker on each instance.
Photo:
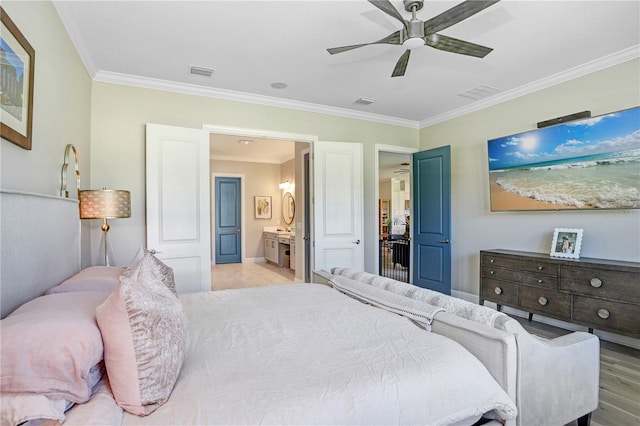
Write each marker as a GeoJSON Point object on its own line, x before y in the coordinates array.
{"type": "Point", "coordinates": [338, 207]}
{"type": "Point", "coordinates": [178, 207]}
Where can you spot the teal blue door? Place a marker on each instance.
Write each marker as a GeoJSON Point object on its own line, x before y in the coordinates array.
{"type": "Point", "coordinates": [432, 219]}
{"type": "Point", "coordinates": [228, 221]}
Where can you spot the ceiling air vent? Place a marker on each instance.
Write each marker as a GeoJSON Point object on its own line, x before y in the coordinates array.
{"type": "Point", "coordinates": [205, 72]}
{"type": "Point", "coordinates": [364, 101]}
{"type": "Point", "coordinates": [479, 92]}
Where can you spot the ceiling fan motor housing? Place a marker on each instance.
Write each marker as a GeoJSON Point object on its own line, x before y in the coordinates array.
{"type": "Point", "coordinates": [410, 4]}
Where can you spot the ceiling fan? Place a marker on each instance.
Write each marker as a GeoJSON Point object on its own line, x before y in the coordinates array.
{"type": "Point", "coordinates": [416, 33]}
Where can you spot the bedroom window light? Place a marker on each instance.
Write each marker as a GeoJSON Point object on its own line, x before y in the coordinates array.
{"type": "Point", "coordinates": [105, 204]}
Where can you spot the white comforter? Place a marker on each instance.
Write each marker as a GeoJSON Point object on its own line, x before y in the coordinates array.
{"type": "Point", "coordinates": [306, 354]}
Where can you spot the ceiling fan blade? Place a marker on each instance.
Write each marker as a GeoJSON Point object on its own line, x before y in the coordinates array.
{"type": "Point", "coordinates": [393, 38]}
{"type": "Point", "coordinates": [387, 7]}
{"type": "Point", "coordinates": [401, 65]}
{"type": "Point", "coordinates": [456, 14]}
{"type": "Point", "coordinates": [450, 44]}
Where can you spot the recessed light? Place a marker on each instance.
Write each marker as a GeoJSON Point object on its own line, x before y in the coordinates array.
{"type": "Point", "coordinates": [279, 85]}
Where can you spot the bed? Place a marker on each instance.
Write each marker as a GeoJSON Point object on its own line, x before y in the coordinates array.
{"type": "Point", "coordinates": [288, 354]}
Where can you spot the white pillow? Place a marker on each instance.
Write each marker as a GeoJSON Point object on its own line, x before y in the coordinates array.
{"type": "Point", "coordinates": [18, 408]}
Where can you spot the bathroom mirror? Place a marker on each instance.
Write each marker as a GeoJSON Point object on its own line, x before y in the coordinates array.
{"type": "Point", "coordinates": [288, 208]}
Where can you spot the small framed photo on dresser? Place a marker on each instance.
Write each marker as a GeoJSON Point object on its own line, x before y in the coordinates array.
{"type": "Point", "coordinates": [566, 243]}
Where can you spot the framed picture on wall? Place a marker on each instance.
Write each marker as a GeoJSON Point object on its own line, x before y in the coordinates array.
{"type": "Point", "coordinates": [566, 243]}
{"type": "Point", "coordinates": [263, 206]}
{"type": "Point", "coordinates": [16, 85]}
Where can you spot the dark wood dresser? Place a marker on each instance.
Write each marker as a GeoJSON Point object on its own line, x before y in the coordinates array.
{"type": "Point", "coordinates": [596, 293]}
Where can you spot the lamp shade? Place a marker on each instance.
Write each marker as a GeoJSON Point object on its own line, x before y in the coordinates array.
{"type": "Point", "coordinates": [104, 204]}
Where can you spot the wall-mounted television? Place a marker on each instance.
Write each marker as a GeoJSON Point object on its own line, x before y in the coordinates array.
{"type": "Point", "coordinates": [591, 163]}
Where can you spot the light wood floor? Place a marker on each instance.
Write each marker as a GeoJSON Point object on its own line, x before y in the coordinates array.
{"type": "Point", "coordinates": [619, 365]}
{"type": "Point", "coordinates": [619, 379]}
{"type": "Point", "coordinates": [240, 275]}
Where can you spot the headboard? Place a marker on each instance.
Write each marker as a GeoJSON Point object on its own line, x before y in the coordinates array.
{"type": "Point", "coordinates": [40, 245]}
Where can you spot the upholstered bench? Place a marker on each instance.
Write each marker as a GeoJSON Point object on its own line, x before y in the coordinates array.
{"type": "Point", "coordinates": [553, 382]}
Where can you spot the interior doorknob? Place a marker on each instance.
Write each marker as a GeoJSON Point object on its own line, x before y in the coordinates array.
{"type": "Point", "coordinates": [356, 242]}
{"type": "Point", "coordinates": [445, 241]}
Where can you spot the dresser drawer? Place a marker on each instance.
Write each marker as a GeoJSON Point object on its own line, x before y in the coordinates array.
{"type": "Point", "coordinates": [520, 277]}
{"type": "Point", "coordinates": [545, 302]}
{"type": "Point", "coordinates": [500, 292]}
{"type": "Point", "coordinates": [607, 315]}
{"type": "Point", "coordinates": [620, 285]}
{"type": "Point", "coordinates": [530, 265]}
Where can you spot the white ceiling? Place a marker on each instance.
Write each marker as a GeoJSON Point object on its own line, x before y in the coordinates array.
{"type": "Point", "coordinates": [250, 149]}
{"type": "Point", "coordinates": [252, 44]}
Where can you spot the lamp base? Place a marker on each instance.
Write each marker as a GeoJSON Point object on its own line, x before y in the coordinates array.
{"type": "Point", "coordinates": [105, 254]}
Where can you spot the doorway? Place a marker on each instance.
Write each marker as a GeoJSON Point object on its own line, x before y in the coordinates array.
{"type": "Point", "coordinates": [263, 177]}
{"type": "Point", "coordinates": [393, 174]}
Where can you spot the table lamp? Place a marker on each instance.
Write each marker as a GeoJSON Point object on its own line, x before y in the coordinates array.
{"type": "Point", "coordinates": [105, 204]}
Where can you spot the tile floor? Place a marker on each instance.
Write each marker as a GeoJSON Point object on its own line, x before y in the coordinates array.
{"type": "Point", "coordinates": [240, 275]}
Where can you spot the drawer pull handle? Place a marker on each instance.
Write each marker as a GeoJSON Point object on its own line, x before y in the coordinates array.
{"type": "Point", "coordinates": [540, 268]}
{"type": "Point", "coordinates": [491, 261]}
{"type": "Point", "coordinates": [542, 300]}
{"type": "Point", "coordinates": [498, 290]}
{"type": "Point", "coordinates": [540, 281]}
{"type": "Point", "coordinates": [596, 282]}
{"type": "Point", "coordinates": [603, 313]}
{"type": "Point", "coordinates": [492, 272]}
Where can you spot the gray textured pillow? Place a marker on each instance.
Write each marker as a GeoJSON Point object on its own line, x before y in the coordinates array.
{"type": "Point", "coordinates": [149, 264]}
{"type": "Point", "coordinates": [144, 333]}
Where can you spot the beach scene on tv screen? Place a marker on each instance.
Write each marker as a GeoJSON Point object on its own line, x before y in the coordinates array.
{"type": "Point", "coordinates": [592, 163]}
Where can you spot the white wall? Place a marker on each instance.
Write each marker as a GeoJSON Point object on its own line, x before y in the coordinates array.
{"type": "Point", "coordinates": [61, 109]}
{"type": "Point", "coordinates": [609, 234]}
{"type": "Point", "coordinates": [119, 115]}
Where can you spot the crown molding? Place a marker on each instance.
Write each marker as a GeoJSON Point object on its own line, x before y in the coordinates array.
{"type": "Point", "coordinates": [192, 89]}
{"type": "Point", "coordinates": [66, 15]}
{"type": "Point", "coordinates": [564, 76]}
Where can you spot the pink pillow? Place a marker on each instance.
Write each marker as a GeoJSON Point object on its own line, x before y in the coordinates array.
{"type": "Point", "coordinates": [144, 332]}
{"type": "Point", "coordinates": [52, 346]}
{"type": "Point", "coordinates": [93, 278]}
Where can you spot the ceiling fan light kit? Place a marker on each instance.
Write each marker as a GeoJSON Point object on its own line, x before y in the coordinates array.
{"type": "Point", "coordinates": [416, 33]}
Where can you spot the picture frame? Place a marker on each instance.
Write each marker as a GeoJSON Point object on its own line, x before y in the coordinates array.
{"type": "Point", "coordinates": [263, 206]}
{"type": "Point", "coordinates": [567, 243]}
{"type": "Point", "coordinates": [16, 100]}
